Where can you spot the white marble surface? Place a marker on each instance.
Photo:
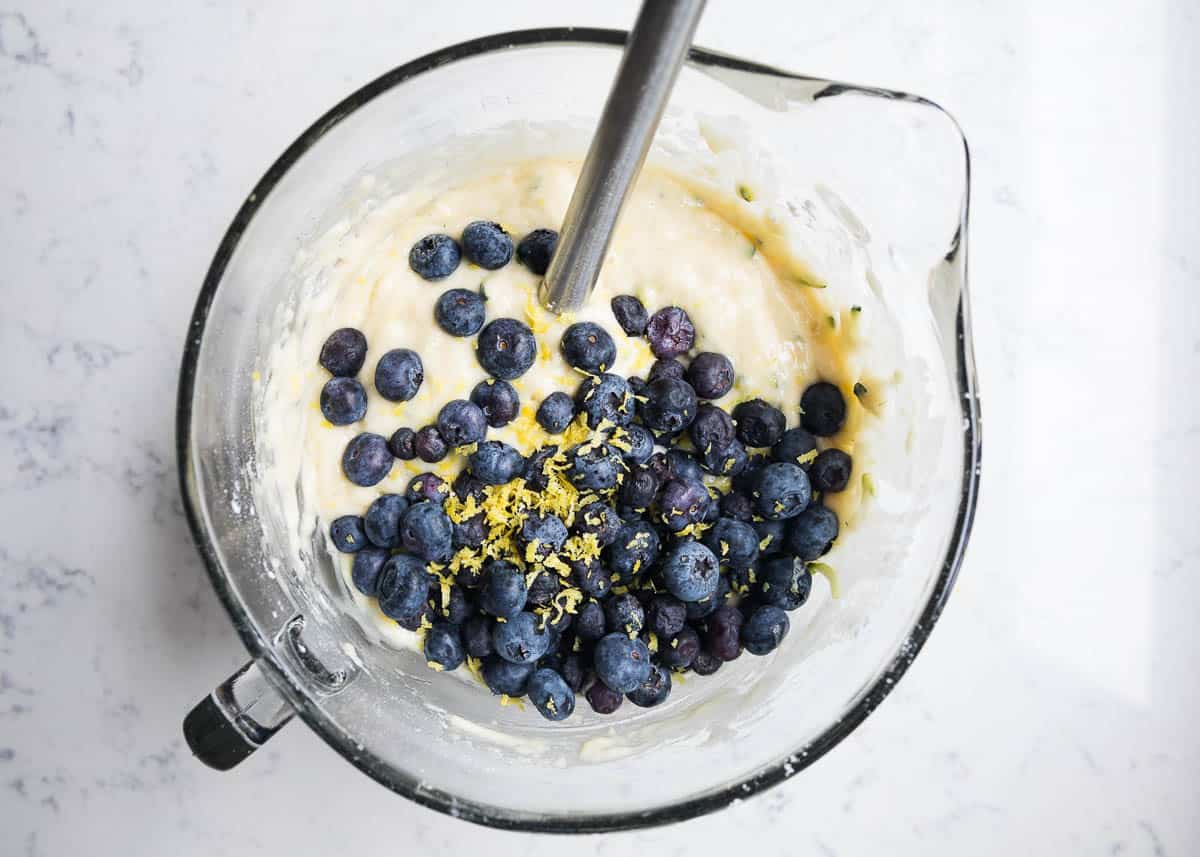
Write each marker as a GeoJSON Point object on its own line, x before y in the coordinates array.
{"type": "Point", "coordinates": [1054, 710]}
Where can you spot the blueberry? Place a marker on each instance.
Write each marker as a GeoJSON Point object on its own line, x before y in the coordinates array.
{"type": "Point", "coordinates": [403, 444]}
{"type": "Point", "coordinates": [422, 617]}
{"type": "Point", "coordinates": [477, 636]}
{"type": "Point", "coordinates": [343, 401]}
{"type": "Point", "coordinates": [624, 613]}
{"type": "Point", "coordinates": [783, 582]}
{"type": "Point", "coordinates": [603, 699]}
{"type": "Point", "coordinates": [461, 423]}
{"type": "Point", "coordinates": [681, 465]}
{"type": "Point", "coordinates": [639, 488]}
{"type": "Point", "coordinates": [444, 646]}
{"type": "Point", "coordinates": [637, 386]}
{"type": "Point", "coordinates": [454, 605]}
{"type": "Point", "coordinates": [737, 506]}
{"type": "Point", "coordinates": [426, 486]}
{"type": "Point", "coordinates": [666, 615]}
{"type": "Point", "coordinates": [681, 503]}
{"type": "Point", "coordinates": [772, 537]}
{"type": "Point", "coordinates": [620, 662]}
{"type": "Point", "coordinates": [699, 609]}
{"type": "Point", "coordinates": [722, 633]}
{"type": "Point", "coordinates": [728, 462]}
{"type": "Point", "coordinates": [536, 249]}
{"type": "Point", "coordinates": [521, 639]}
{"type": "Point", "coordinates": [765, 629]}
{"type": "Point", "coordinates": [466, 485]}
{"type": "Point", "coordinates": [573, 671]}
{"type": "Point", "coordinates": [594, 466]}
{"type": "Point", "coordinates": [429, 444]}
{"type": "Point", "coordinates": [705, 663]}
{"type": "Point", "coordinates": [470, 576]}
{"type": "Point", "coordinates": [547, 531]}
{"type": "Point", "coordinates": [634, 550]}
{"type": "Point", "coordinates": [487, 245]}
{"type": "Point", "coordinates": [348, 534]}
{"type": "Point", "coordinates": [830, 471]}
{"type": "Point", "coordinates": [811, 533]}
{"type": "Point", "coordinates": [505, 677]}
{"type": "Point", "coordinates": [590, 577]}
{"type": "Point", "coordinates": [795, 447]}
{"type": "Point", "coordinates": [670, 405]}
{"type": "Point", "coordinates": [822, 409]}
{"type": "Point", "coordinates": [745, 481]}
{"type": "Point", "coordinates": [600, 519]}
{"type": "Point", "coordinates": [364, 572]}
{"type": "Point", "coordinates": [590, 623]}
{"type": "Point", "coordinates": [587, 346]}
{"type": "Point", "coordinates": [605, 397]}
{"type": "Point", "coordinates": [460, 312]}
{"type": "Point", "coordinates": [690, 572]}
{"type": "Point", "coordinates": [560, 625]}
{"type": "Point", "coordinates": [536, 473]}
{"type": "Point", "coordinates": [495, 463]}
{"type": "Point", "coordinates": [403, 586]}
{"type": "Point", "coordinates": [426, 531]}
{"type": "Point", "coordinates": [711, 375]}
{"type": "Point", "coordinates": [732, 542]}
{"type": "Point", "coordinates": [367, 459]}
{"type": "Point", "coordinates": [679, 651]}
{"type": "Point", "coordinates": [712, 511]}
{"type": "Point", "coordinates": [555, 412]}
{"type": "Point", "coordinates": [654, 690]}
{"type": "Point", "coordinates": [544, 588]}
{"type": "Point", "coordinates": [470, 533]}
{"type": "Point", "coordinates": [758, 423]}
{"type": "Point", "coordinates": [741, 578]}
{"type": "Point", "coordinates": [640, 443]}
{"type": "Point", "coordinates": [782, 491]}
{"type": "Point", "coordinates": [668, 368]}
{"type": "Point", "coordinates": [712, 429]}
{"type": "Point", "coordinates": [630, 313]}
{"type": "Point", "coordinates": [504, 593]}
{"type": "Point", "coordinates": [506, 348]}
{"type": "Point", "coordinates": [382, 521]}
{"type": "Point", "coordinates": [344, 352]}
{"type": "Point", "coordinates": [550, 695]}
{"type": "Point", "coordinates": [399, 374]}
{"type": "Point", "coordinates": [434, 257]}
{"type": "Point", "coordinates": [499, 401]}
{"type": "Point", "coordinates": [670, 332]}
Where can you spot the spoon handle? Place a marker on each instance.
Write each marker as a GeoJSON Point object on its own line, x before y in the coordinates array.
{"type": "Point", "coordinates": [657, 47]}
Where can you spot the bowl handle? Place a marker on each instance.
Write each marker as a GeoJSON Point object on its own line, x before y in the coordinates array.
{"type": "Point", "coordinates": [236, 719]}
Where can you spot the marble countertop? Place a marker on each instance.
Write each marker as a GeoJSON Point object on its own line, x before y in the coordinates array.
{"type": "Point", "coordinates": [1054, 709]}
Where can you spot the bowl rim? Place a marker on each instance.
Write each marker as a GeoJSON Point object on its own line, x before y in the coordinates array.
{"type": "Point", "coordinates": [410, 787]}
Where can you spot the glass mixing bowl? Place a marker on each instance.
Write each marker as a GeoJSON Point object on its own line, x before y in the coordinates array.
{"type": "Point", "coordinates": [872, 183]}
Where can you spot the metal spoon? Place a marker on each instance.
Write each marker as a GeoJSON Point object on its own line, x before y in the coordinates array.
{"type": "Point", "coordinates": [657, 46]}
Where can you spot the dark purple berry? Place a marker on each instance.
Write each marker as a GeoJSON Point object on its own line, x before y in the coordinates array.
{"type": "Point", "coordinates": [758, 423]}
{"type": "Point", "coordinates": [429, 444]}
{"type": "Point", "coordinates": [712, 429]}
{"type": "Point", "coordinates": [666, 368]}
{"type": "Point", "coordinates": [830, 471]}
{"type": "Point", "coordinates": [498, 400]}
{"type": "Point", "coordinates": [710, 374]}
{"type": "Point", "coordinates": [536, 249]}
{"type": "Point", "coordinates": [823, 409]}
{"type": "Point", "coordinates": [367, 459]}
{"type": "Point", "coordinates": [630, 314]}
{"type": "Point", "coordinates": [460, 312]}
{"type": "Point", "coordinates": [426, 487]}
{"type": "Point", "coordinates": [722, 633]}
{"type": "Point", "coordinates": [588, 347]}
{"type": "Point", "coordinates": [344, 352]}
{"type": "Point", "coordinates": [399, 374]}
{"type": "Point", "coordinates": [487, 245]}
{"type": "Point", "coordinates": [555, 412]}
{"type": "Point", "coordinates": [670, 332]}
{"type": "Point", "coordinates": [343, 401]}
{"type": "Point", "coordinates": [506, 348]}
{"type": "Point", "coordinates": [402, 444]}
{"type": "Point", "coordinates": [434, 257]}
{"type": "Point", "coordinates": [670, 405]}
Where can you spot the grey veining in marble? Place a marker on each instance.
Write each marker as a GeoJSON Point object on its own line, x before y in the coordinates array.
{"type": "Point", "coordinates": [1054, 709]}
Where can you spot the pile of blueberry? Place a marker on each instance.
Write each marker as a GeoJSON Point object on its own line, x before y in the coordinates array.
{"type": "Point", "coordinates": [608, 562]}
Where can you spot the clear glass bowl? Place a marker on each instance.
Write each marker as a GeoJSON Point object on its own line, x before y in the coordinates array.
{"type": "Point", "coordinates": [874, 185]}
